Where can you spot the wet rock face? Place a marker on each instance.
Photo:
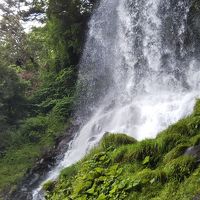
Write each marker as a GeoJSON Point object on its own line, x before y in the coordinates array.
{"type": "Point", "coordinates": [193, 23]}
{"type": "Point", "coordinates": [197, 197]}
{"type": "Point", "coordinates": [194, 14]}
{"type": "Point", "coordinates": [194, 151]}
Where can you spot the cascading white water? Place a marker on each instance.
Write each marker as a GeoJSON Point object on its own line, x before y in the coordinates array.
{"type": "Point", "coordinates": [136, 75]}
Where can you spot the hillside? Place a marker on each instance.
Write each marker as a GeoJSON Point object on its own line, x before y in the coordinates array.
{"type": "Point", "coordinates": [122, 168]}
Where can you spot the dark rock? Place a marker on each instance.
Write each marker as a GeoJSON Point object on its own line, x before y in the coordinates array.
{"type": "Point", "coordinates": [92, 139]}
{"type": "Point", "coordinates": [194, 151]}
{"type": "Point", "coordinates": [193, 27]}
{"type": "Point", "coordinates": [196, 197]}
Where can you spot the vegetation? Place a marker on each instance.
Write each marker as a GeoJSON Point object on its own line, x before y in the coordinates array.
{"type": "Point", "coordinates": [38, 76]}
{"type": "Point", "coordinates": [38, 72]}
{"type": "Point", "coordinates": [122, 168]}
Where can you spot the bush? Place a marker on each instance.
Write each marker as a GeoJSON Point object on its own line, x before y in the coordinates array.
{"type": "Point", "coordinates": [12, 97]}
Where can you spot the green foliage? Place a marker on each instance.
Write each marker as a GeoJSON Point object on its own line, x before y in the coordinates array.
{"type": "Point", "coordinates": [118, 154]}
{"type": "Point", "coordinates": [57, 93]}
{"type": "Point", "coordinates": [167, 140]}
{"type": "Point", "coordinates": [65, 27]}
{"type": "Point", "coordinates": [37, 84]}
{"type": "Point", "coordinates": [195, 140]}
{"type": "Point", "coordinates": [122, 168]}
{"type": "Point", "coordinates": [49, 186]}
{"type": "Point", "coordinates": [35, 136]}
{"type": "Point", "coordinates": [139, 151]}
{"type": "Point", "coordinates": [12, 98]}
{"type": "Point", "coordinates": [196, 110]}
{"type": "Point", "coordinates": [34, 128]}
{"type": "Point", "coordinates": [175, 152]}
{"type": "Point", "coordinates": [69, 172]}
{"type": "Point", "coordinates": [63, 107]}
{"type": "Point", "coordinates": [14, 164]}
{"type": "Point", "coordinates": [180, 168]}
{"type": "Point", "coordinates": [147, 152]}
{"type": "Point", "coordinates": [116, 140]}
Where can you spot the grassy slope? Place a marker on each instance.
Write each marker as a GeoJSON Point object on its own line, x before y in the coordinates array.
{"type": "Point", "coordinates": [21, 157]}
{"type": "Point", "coordinates": [122, 168]}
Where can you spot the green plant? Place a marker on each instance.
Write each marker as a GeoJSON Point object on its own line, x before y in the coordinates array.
{"type": "Point", "coordinates": [115, 140]}
{"type": "Point", "coordinates": [180, 168]}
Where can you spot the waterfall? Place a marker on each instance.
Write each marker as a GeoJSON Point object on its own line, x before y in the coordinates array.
{"type": "Point", "coordinates": [136, 76]}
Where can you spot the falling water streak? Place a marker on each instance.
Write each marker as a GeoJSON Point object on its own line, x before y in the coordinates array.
{"type": "Point", "coordinates": [132, 75]}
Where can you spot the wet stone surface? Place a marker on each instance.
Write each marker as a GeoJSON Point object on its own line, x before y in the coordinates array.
{"type": "Point", "coordinates": [194, 151]}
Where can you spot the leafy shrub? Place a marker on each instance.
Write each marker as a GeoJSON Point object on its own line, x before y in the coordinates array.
{"type": "Point", "coordinates": [12, 97]}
